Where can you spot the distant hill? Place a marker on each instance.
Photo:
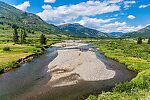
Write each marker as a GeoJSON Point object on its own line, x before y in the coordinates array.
{"type": "Point", "coordinates": [81, 31]}
{"type": "Point", "coordinates": [11, 15]}
{"type": "Point", "coordinates": [145, 32]}
{"type": "Point", "coordinates": [116, 34]}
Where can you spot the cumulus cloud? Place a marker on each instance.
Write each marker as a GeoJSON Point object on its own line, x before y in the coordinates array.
{"type": "Point", "coordinates": [94, 22]}
{"type": "Point", "coordinates": [49, 1]}
{"type": "Point", "coordinates": [144, 6]}
{"type": "Point", "coordinates": [47, 7]}
{"type": "Point", "coordinates": [130, 2]}
{"type": "Point", "coordinates": [23, 6]}
{"type": "Point", "coordinates": [68, 13]}
{"type": "Point", "coordinates": [127, 4]}
{"type": "Point", "coordinates": [115, 1]}
{"type": "Point", "coordinates": [119, 27]}
{"type": "Point", "coordinates": [85, 14]}
{"type": "Point", "coordinates": [107, 25]}
{"type": "Point", "coordinates": [131, 17]}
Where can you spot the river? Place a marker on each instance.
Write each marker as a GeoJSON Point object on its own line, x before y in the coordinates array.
{"type": "Point", "coordinates": [32, 81]}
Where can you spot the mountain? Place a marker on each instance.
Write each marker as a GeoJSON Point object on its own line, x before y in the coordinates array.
{"type": "Point", "coordinates": [145, 32]}
{"type": "Point", "coordinates": [11, 16]}
{"type": "Point", "coordinates": [81, 31]}
{"type": "Point", "coordinates": [116, 34]}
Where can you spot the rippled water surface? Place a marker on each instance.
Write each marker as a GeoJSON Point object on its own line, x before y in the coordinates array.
{"type": "Point", "coordinates": [29, 81]}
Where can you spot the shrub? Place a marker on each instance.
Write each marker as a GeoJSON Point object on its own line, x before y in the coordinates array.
{"type": "Point", "coordinates": [43, 39]}
{"type": "Point", "coordinates": [25, 51]}
{"type": "Point", "coordinates": [139, 41]}
{"type": "Point", "coordinates": [148, 41]}
{"type": "Point", "coordinates": [92, 97]}
{"type": "Point", "coordinates": [6, 49]}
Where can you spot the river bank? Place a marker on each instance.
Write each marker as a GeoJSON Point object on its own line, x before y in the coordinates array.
{"type": "Point", "coordinates": [76, 71]}
{"type": "Point", "coordinates": [136, 59]}
{"type": "Point", "coordinates": [27, 55]}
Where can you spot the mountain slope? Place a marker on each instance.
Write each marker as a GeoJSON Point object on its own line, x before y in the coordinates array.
{"type": "Point", "coordinates": [81, 31]}
{"type": "Point", "coordinates": [145, 32]}
{"type": "Point", "coordinates": [116, 34]}
{"type": "Point", "coordinates": [11, 15]}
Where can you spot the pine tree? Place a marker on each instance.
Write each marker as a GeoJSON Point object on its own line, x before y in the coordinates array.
{"type": "Point", "coordinates": [23, 37]}
{"type": "Point", "coordinates": [148, 41]}
{"type": "Point", "coordinates": [42, 39]}
{"type": "Point", "coordinates": [25, 34]}
{"type": "Point", "coordinates": [139, 41]}
{"type": "Point", "coordinates": [15, 35]}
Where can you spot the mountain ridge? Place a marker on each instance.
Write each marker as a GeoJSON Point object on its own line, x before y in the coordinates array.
{"type": "Point", "coordinates": [144, 32]}
{"type": "Point", "coordinates": [80, 30]}
{"type": "Point", "coordinates": [12, 15]}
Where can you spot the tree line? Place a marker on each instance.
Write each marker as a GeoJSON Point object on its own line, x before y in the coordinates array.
{"type": "Point", "coordinates": [140, 40]}
{"type": "Point", "coordinates": [23, 36]}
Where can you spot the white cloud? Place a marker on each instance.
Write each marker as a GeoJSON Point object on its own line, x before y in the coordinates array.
{"type": "Point", "coordinates": [49, 1]}
{"type": "Point", "coordinates": [144, 6]}
{"type": "Point", "coordinates": [47, 7]}
{"type": "Point", "coordinates": [85, 13]}
{"type": "Point", "coordinates": [23, 6]}
{"type": "Point", "coordinates": [108, 26]}
{"type": "Point", "coordinates": [131, 17]}
{"type": "Point", "coordinates": [94, 22]}
{"type": "Point", "coordinates": [68, 13]}
{"type": "Point", "coordinates": [115, 1]}
{"type": "Point", "coordinates": [119, 14]}
{"type": "Point", "coordinates": [128, 3]}
{"type": "Point", "coordinates": [119, 27]}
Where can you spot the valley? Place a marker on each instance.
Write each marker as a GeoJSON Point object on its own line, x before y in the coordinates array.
{"type": "Point", "coordinates": [85, 59]}
{"type": "Point", "coordinates": [72, 69]}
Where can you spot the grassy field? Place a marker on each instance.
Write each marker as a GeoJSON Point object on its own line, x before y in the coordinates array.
{"type": "Point", "coordinates": [8, 58]}
{"type": "Point", "coordinates": [135, 57]}
{"type": "Point", "coordinates": [18, 51]}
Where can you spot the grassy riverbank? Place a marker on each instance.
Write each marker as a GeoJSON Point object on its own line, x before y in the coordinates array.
{"type": "Point", "coordinates": [135, 57]}
{"type": "Point", "coordinates": [10, 52]}
{"type": "Point", "coordinates": [8, 58]}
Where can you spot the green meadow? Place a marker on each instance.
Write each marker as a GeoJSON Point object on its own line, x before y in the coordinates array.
{"type": "Point", "coordinates": [137, 58]}
{"type": "Point", "coordinates": [7, 58]}
{"type": "Point", "coordinates": [11, 52]}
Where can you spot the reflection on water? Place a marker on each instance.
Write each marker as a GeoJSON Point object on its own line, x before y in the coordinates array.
{"type": "Point", "coordinates": [20, 80]}
{"type": "Point", "coordinates": [29, 81]}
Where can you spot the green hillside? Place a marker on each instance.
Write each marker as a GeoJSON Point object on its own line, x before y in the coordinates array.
{"type": "Point", "coordinates": [10, 15]}
{"type": "Point", "coordinates": [81, 31]}
{"type": "Point", "coordinates": [145, 32]}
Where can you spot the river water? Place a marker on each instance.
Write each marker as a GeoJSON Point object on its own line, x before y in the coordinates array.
{"type": "Point", "coordinates": [29, 82]}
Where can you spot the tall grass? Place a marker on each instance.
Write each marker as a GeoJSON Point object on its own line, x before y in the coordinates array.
{"type": "Point", "coordinates": [137, 58]}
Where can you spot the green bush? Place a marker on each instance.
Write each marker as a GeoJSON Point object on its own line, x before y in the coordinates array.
{"type": "Point", "coordinates": [92, 97]}
{"type": "Point", "coordinates": [6, 49]}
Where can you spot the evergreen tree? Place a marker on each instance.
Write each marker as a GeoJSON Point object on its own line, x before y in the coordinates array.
{"type": "Point", "coordinates": [23, 37]}
{"type": "Point", "coordinates": [25, 34]}
{"type": "Point", "coordinates": [139, 41]}
{"type": "Point", "coordinates": [42, 39]}
{"type": "Point", "coordinates": [14, 26]}
{"type": "Point", "coordinates": [15, 35]}
{"type": "Point", "coordinates": [148, 41]}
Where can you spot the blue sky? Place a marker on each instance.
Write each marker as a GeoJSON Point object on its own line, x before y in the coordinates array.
{"type": "Point", "coordinates": [103, 15]}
